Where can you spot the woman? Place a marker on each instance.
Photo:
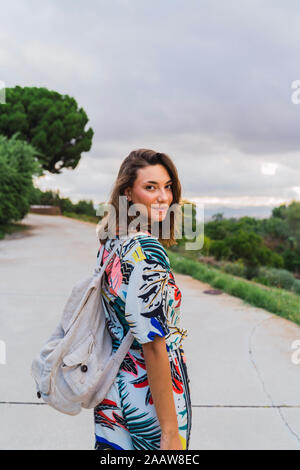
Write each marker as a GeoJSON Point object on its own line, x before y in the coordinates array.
{"type": "Point", "coordinates": [148, 406]}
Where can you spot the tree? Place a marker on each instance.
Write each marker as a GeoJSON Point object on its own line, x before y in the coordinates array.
{"type": "Point", "coordinates": [17, 165]}
{"type": "Point", "coordinates": [279, 211]}
{"type": "Point", "coordinates": [248, 247]}
{"type": "Point", "coordinates": [219, 249]}
{"type": "Point", "coordinates": [218, 216]}
{"type": "Point", "coordinates": [85, 207]}
{"type": "Point", "coordinates": [51, 122]}
{"type": "Point", "coordinates": [293, 220]}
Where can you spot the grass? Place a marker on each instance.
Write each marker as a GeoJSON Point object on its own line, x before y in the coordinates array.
{"type": "Point", "coordinates": [12, 228]}
{"type": "Point", "coordinates": [84, 217]}
{"type": "Point", "coordinates": [279, 301]}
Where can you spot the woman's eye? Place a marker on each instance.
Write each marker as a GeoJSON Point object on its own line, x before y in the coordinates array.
{"type": "Point", "coordinates": [151, 186]}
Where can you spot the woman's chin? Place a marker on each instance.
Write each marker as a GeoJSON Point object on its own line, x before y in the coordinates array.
{"type": "Point", "coordinates": [159, 218]}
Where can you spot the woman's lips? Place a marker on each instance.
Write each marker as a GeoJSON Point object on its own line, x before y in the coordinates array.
{"type": "Point", "coordinates": [160, 209]}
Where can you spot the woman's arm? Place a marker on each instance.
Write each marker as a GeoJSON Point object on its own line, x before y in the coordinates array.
{"type": "Point", "coordinates": [160, 382]}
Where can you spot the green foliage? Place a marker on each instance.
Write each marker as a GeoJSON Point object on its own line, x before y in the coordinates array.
{"type": "Point", "coordinates": [205, 250]}
{"type": "Point", "coordinates": [12, 227]}
{"type": "Point", "coordinates": [219, 249]}
{"type": "Point", "coordinates": [66, 205]}
{"type": "Point", "coordinates": [17, 165]}
{"type": "Point", "coordinates": [85, 207]}
{"type": "Point", "coordinates": [278, 301]}
{"type": "Point", "coordinates": [216, 230]}
{"type": "Point", "coordinates": [50, 198]}
{"type": "Point", "coordinates": [293, 220]}
{"type": "Point", "coordinates": [274, 227]}
{"type": "Point", "coordinates": [220, 228]}
{"type": "Point", "coordinates": [296, 287]}
{"type": "Point", "coordinates": [275, 242]}
{"type": "Point", "coordinates": [279, 211]}
{"type": "Point", "coordinates": [53, 198]}
{"type": "Point", "coordinates": [245, 246]}
{"type": "Point", "coordinates": [189, 223]}
{"type": "Point", "coordinates": [84, 217]}
{"type": "Point", "coordinates": [51, 122]}
{"type": "Point", "coordinates": [276, 277]}
{"type": "Point", "coordinates": [237, 268]}
{"type": "Point", "coordinates": [292, 260]}
{"type": "Point", "coordinates": [35, 196]}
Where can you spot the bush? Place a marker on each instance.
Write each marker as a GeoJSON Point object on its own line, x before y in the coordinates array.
{"type": "Point", "coordinates": [50, 198]}
{"type": "Point", "coordinates": [17, 165]}
{"type": "Point", "coordinates": [275, 277]}
{"type": "Point", "coordinates": [237, 268]}
{"type": "Point", "coordinates": [53, 198]}
{"type": "Point", "coordinates": [66, 205]}
{"type": "Point", "coordinates": [275, 260]}
{"type": "Point", "coordinates": [85, 207]}
{"type": "Point", "coordinates": [296, 286]}
{"type": "Point", "coordinates": [35, 196]}
{"type": "Point", "coordinates": [219, 249]}
{"type": "Point", "coordinates": [291, 259]}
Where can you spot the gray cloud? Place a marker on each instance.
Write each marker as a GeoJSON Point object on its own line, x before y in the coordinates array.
{"type": "Point", "coordinates": [208, 82]}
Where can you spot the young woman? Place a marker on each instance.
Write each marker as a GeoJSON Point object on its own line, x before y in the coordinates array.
{"type": "Point", "coordinates": [148, 406]}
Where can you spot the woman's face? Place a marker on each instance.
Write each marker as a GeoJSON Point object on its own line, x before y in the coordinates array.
{"type": "Point", "coordinates": [153, 189]}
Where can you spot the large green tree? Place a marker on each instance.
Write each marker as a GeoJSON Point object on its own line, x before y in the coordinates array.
{"type": "Point", "coordinates": [51, 122]}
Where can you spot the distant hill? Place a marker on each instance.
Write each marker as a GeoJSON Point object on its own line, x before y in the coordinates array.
{"type": "Point", "coordinates": [259, 212]}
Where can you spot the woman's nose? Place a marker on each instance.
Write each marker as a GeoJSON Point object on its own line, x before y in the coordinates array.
{"type": "Point", "coordinates": [162, 196]}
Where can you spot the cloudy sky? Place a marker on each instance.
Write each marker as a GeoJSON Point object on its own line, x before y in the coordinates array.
{"type": "Point", "coordinates": [207, 82]}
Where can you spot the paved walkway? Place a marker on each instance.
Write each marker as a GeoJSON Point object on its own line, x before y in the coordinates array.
{"type": "Point", "coordinates": [245, 387]}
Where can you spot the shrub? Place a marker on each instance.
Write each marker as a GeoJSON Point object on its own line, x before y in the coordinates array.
{"type": "Point", "coordinates": [237, 268]}
{"type": "Point", "coordinates": [85, 207]}
{"type": "Point", "coordinates": [219, 249]}
{"type": "Point", "coordinates": [275, 277]}
{"type": "Point", "coordinates": [296, 286]}
{"type": "Point", "coordinates": [17, 165]}
{"type": "Point", "coordinates": [66, 205]}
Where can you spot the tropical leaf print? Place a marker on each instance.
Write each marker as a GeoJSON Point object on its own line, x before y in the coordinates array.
{"type": "Point", "coordinates": [144, 429]}
{"type": "Point", "coordinates": [106, 421]}
{"type": "Point", "coordinates": [129, 365]}
{"type": "Point", "coordinates": [140, 294]}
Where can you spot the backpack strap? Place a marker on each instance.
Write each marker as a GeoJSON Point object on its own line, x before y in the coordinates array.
{"type": "Point", "coordinates": [101, 268]}
{"type": "Point", "coordinates": [129, 338]}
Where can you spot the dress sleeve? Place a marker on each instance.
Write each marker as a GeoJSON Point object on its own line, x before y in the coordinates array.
{"type": "Point", "coordinates": [147, 300]}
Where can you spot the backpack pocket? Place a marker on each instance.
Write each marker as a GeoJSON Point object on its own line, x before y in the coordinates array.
{"type": "Point", "coordinates": [77, 369]}
{"type": "Point", "coordinates": [80, 353]}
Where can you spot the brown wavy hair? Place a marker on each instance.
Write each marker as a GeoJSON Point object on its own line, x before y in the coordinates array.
{"type": "Point", "coordinates": [137, 159]}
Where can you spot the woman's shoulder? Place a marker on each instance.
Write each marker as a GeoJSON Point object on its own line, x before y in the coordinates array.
{"type": "Point", "coordinates": [144, 246]}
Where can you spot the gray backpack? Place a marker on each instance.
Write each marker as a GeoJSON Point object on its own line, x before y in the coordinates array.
{"type": "Point", "coordinates": [77, 366]}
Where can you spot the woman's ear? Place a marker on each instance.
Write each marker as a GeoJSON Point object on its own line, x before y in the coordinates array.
{"type": "Point", "coordinates": [127, 193]}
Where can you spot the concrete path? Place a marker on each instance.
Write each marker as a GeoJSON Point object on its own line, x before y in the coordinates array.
{"type": "Point", "coordinates": [245, 387]}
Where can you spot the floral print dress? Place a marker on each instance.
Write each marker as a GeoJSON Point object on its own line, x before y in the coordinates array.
{"type": "Point", "coordinates": [139, 293]}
